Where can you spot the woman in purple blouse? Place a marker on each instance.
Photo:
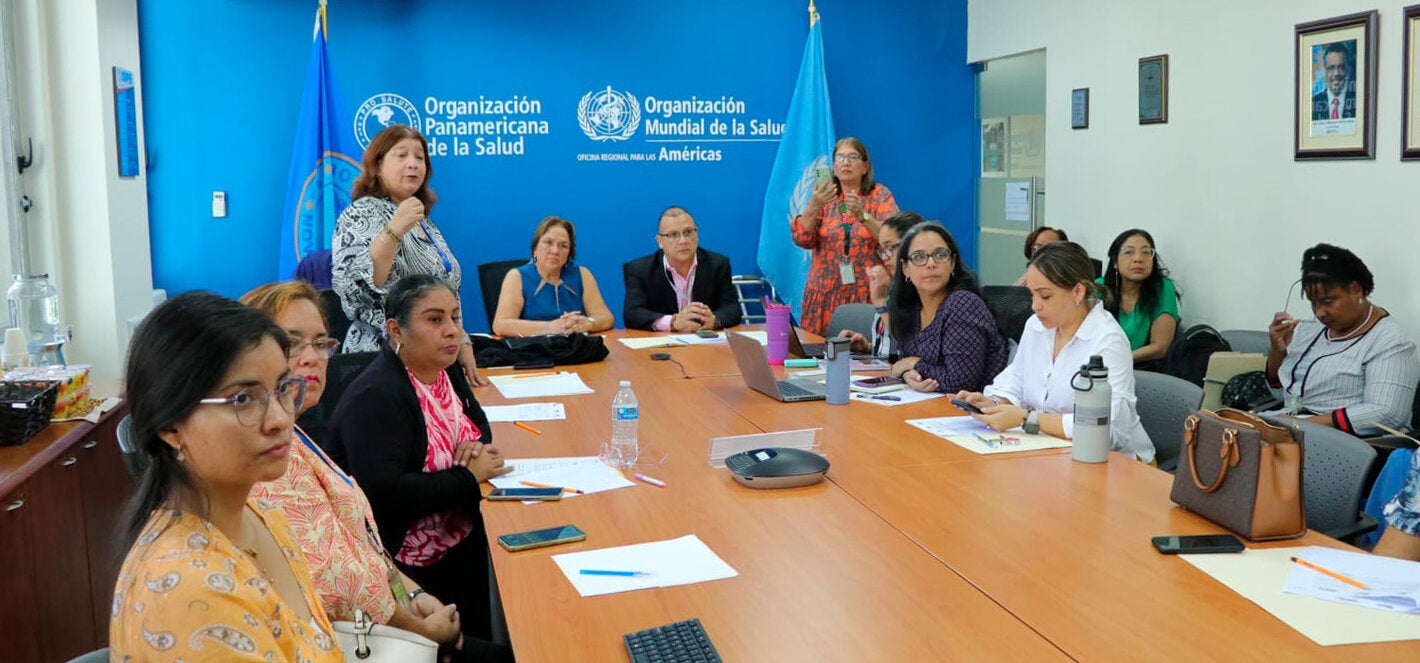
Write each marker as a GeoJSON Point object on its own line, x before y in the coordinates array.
{"type": "Point", "coordinates": [947, 336]}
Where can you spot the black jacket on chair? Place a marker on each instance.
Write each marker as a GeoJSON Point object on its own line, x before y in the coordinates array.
{"type": "Point", "coordinates": [377, 434]}
{"type": "Point", "coordinates": [649, 294]}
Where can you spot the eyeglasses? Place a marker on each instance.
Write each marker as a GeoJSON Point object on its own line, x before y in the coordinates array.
{"type": "Point", "coordinates": [252, 403]}
{"type": "Point", "coordinates": [919, 258]}
{"type": "Point", "coordinates": [887, 251]}
{"type": "Point", "coordinates": [851, 158]}
{"type": "Point", "coordinates": [688, 233]}
{"type": "Point", "coordinates": [324, 346]}
{"type": "Point", "coordinates": [1145, 253]}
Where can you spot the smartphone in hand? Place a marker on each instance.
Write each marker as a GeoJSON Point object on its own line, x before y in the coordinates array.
{"type": "Point", "coordinates": [966, 406]}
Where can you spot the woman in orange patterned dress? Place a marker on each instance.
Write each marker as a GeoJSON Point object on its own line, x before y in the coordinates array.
{"type": "Point", "coordinates": [327, 511]}
{"type": "Point", "coordinates": [208, 576]}
{"type": "Point", "coordinates": [840, 226]}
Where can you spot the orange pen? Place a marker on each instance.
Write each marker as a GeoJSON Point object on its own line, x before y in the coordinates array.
{"type": "Point", "coordinates": [1329, 573]}
{"type": "Point", "coordinates": [535, 484]}
{"type": "Point", "coordinates": [527, 428]}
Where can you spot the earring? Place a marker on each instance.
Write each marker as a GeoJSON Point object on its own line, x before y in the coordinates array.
{"type": "Point", "coordinates": [179, 454]}
{"type": "Point", "coordinates": [397, 346]}
{"type": "Point", "coordinates": [1079, 302]}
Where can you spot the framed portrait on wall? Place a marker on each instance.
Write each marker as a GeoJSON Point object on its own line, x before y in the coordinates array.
{"type": "Point", "coordinates": [1410, 117]}
{"type": "Point", "coordinates": [1154, 89]}
{"type": "Point", "coordinates": [995, 137]}
{"type": "Point", "coordinates": [1335, 100]}
{"type": "Point", "coordinates": [1080, 108]}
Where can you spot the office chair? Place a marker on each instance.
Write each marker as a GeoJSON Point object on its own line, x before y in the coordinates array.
{"type": "Point", "coordinates": [133, 461]}
{"type": "Point", "coordinates": [335, 316]}
{"type": "Point", "coordinates": [1247, 340]}
{"type": "Point", "coordinates": [339, 373]}
{"type": "Point", "coordinates": [96, 656]}
{"type": "Point", "coordinates": [490, 283]}
{"type": "Point", "coordinates": [752, 290]}
{"type": "Point", "coordinates": [1010, 304]}
{"type": "Point", "coordinates": [1335, 467]}
{"type": "Point", "coordinates": [853, 317]}
{"type": "Point", "coordinates": [1164, 401]}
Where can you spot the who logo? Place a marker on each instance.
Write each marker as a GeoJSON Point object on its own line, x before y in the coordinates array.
{"type": "Point", "coordinates": [608, 115]}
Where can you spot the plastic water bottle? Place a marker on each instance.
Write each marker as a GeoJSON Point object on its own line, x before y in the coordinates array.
{"type": "Point", "coordinates": [1092, 401]}
{"type": "Point", "coordinates": [625, 413]}
{"type": "Point", "coordinates": [34, 310]}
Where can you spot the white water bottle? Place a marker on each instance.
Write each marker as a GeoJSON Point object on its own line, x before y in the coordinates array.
{"type": "Point", "coordinates": [625, 413]}
{"type": "Point", "coordinates": [1092, 401]}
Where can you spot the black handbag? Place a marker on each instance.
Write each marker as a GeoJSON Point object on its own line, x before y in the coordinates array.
{"type": "Point", "coordinates": [558, 349]}
{"type": "Point", "coordinates": [1249, 392]}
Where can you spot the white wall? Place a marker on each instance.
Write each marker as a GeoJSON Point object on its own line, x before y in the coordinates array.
{"type": "Point", "coordinates": [1229, 208]}
{"type": "Point", "coordinates": [90, 225]}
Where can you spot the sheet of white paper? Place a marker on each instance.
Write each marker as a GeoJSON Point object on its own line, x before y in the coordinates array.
{"type": "Point", "coordinates": [586, 477]}
{"type": "Point", "coordinates": [902, 396]}
{"type": "Point", "coordinates": [526, 412]}
{"type": "Point", "coordinates": [972, 435]}
{"type": "Point", "coordinates": [681, 561]}
{"type": "Point", "coordinates": [1018, 201]}
{"type": "Point", "coordinates": [540, 386]}
{"type": "Point", "coordinates": [526, 467]}
{"type": "Point", "coordinates": [1392, 584]}
{"type": "Point", "coordinates": [1259, 575]}
{"type": "Point", "coordinates": [643, 342]}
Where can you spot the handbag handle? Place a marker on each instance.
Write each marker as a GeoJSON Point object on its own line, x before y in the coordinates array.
{"type": "Point", "coordinates": [1228, 453]}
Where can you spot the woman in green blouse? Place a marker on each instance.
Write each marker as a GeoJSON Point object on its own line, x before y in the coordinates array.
{"type": "Point", "coordinates": [1141, 296]}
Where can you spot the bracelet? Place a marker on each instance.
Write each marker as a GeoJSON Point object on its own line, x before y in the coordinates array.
{"type": "Point", "coordinates": [416, 592]}
{"type": "Point", "coordinates": [549, 327]}
{"type": "Point", "coordinates": [386, 230]}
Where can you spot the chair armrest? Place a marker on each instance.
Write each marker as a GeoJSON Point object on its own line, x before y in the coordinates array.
{"type": "Point", "coordinates": [1364, 523]}
{"type": "Point", "coordinates": [1390, 442]}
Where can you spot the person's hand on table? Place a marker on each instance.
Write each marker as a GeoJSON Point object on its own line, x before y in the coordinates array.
{"type": "Point", "coordinates": [1000, 417]}
{"type": "Point", "coordinates": [976, 398]}
{"type": "Point", "coordinates": [857, 342]}
{"type": "Point", "coordinates": [916, 382]}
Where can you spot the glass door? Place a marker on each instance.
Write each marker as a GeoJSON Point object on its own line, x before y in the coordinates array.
{"type": "Point", "coordinates": [1011, 189]}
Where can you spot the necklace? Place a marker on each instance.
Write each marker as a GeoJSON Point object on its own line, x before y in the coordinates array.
{"type": "Point", "coordinates": [1369, 312]}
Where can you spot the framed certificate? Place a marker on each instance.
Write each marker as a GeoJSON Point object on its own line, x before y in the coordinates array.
{"type": "Point", "coordinates": [1154, 89]}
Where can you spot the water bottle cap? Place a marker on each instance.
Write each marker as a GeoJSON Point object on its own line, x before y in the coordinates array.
{"type": "Point", "coordinates": [625, 383]}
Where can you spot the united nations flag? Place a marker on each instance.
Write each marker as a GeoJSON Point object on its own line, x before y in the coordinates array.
{"type": "Point", "coordinates": [324, 162]}
{"type": "Point", "coordinates": [807, 142]}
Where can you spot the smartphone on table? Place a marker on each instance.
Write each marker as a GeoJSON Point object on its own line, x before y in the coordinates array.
{"type": "Point", "coordinates": [706, 333]}
{"type": "Point", "coordinates": [1191, 545]}
{"type": "Point", "coordinates": [541, 538]}
{"type": "Point", "coordinates": [966, 406]}
{"type": "Point", "coordinates": [509, 494]}
{"type": "Point", "coordinates": [879, 385]}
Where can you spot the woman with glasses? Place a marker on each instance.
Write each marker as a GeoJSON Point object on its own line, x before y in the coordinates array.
{"type": "Point", "coordinates": [1069, 326]}
{"type": "Point", "coordinates": [880, 282]}
{"type": "Point", "coordinates": [551, 294]}
{"type": "Point", "coordinates": [840, 225]}
{"type": "Point", "coordinates": [1141, 297]}
{"type": "Point", "coordinates": [1351, 368]}
{"type": "Point", "coordinates": [386, 235]}
{"type": "Point", "coordinates": [210, 574]}
{"type": "Point", "coordinates": [325, 508]}
{"type": "Point", "coordinates": [947, 335]}
{"type": "Point", "coordinates": [411, 432]}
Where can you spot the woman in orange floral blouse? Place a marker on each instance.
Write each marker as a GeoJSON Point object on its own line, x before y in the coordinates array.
{"type": "Point", "coordinates": [840, 226]}
{"type": "Point", "coordinates": [329, 516]}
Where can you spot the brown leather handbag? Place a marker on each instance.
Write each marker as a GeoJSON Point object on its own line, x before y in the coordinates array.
{"type": "Point", "coordinates": [1242, 472]}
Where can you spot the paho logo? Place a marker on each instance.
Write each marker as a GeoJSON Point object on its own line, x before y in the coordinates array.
{"type": "Point", "coordinates": [609, 115]}
{"type": "Point", "coordinates": [381, 111]}
{"type": "Point", "coordinates": [805, 187]}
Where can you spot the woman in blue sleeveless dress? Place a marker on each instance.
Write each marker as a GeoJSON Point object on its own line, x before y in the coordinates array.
{"type": "Point", "coordinates": [551, 294]}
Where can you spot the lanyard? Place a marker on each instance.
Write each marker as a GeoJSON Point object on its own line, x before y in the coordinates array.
{"type": "Point", "coordinates": [448, 265]}
{"type": "Point", "coordinates": [689, 284]}
{"type": "Point", "coordinates": [315, 450]}
{"type": "Point", "coordinates": [1302, 388]}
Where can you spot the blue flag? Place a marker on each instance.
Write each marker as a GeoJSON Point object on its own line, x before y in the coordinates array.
{"type": "Point", "coordinates": [324, 161]}
{"type": "Point", "coordinates": [807, 145]}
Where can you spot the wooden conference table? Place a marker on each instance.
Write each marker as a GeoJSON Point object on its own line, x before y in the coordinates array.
{"type": "Point", "coordinates": [916, 549]}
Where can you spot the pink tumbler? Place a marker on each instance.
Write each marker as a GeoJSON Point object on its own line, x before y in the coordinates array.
{"type": "Point", "coordinates": [776, 323]}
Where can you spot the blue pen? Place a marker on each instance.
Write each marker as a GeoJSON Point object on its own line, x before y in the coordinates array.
{"type": "Point", "coordinates": [599, 572]}
{"type": "Point", "coordinates": [881, 397]}
{"type": "Point", "coordinates": [985, 441]}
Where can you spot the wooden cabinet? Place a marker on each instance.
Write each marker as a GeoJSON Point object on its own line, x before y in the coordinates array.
{"type": "Point", "coordinates": [60, 495]}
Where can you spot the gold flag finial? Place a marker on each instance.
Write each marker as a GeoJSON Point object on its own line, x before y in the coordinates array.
{"type": "Point", "coordinates": [813, 14]}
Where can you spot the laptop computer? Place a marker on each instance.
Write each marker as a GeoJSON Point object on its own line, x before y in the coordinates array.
{"type": "Point", "coordinates": [799, 348]}
{"type": "Point", "coordinates": [754, 367]}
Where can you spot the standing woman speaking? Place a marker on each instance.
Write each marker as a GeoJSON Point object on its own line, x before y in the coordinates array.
{"type": "Point", "coordinates": [840, 226]}
{"type": "Point", "coordinates": [386, 235]}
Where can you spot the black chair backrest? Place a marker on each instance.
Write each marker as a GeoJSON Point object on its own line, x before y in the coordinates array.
{"type": "Point", "coordinates": [1188, 355]}
{"type": "Point", "coordinates": [1011, 306]}
{"type": "Point", "coordinates": [334, 314]}
{"type": "Point", "coordinates": [490, 282]}
{"type": "Point", "coordinates": [341, 371]}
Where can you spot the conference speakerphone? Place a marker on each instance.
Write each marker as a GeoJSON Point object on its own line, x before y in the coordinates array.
{"type": "Point", "coordinates": [777, 468]}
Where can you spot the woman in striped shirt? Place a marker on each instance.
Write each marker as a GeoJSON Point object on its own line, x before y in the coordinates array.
{"type": "Point", "coordinates": [1351, 368]}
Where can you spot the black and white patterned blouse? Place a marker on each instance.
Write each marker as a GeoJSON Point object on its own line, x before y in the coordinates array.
{"type": "Point", "coordinates": [353, 271]}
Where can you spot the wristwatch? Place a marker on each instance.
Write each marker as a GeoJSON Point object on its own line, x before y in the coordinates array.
{"type": "Point", "coordinates": [1031, 424]}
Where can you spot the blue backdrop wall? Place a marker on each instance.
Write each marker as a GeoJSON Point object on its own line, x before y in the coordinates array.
{"type": "Point", "coordinates": [222, 82]}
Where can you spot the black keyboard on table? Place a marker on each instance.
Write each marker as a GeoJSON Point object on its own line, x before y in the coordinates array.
{"type": "Point", "coordinates": [681, 642]}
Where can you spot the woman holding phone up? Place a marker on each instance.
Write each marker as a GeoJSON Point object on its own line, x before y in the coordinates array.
{"type": "Point", "coordinates": [840, 226]}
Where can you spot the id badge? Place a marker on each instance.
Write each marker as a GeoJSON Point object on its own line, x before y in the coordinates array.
{"type": "Point", "coordinates": [397, 586]}
{"type": "Point", "coordinates": [845, 273]}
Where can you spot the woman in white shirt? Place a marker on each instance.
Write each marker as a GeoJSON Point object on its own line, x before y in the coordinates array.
{"type": "Point", "coordinates": [1068, 327]}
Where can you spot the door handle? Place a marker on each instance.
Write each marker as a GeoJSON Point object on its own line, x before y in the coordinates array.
{"type": "Point", "coordinates": [91, 444]}
{"type": "Point", "coordinates": [16, 504]}
{"type": "Point", "coordinates": [70, 461]}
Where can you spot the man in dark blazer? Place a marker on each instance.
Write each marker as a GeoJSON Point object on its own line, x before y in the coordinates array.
{"type": "Point", "coordinates": [681, 287]}
{"type": "Point", "coordinates": [1337, 100]}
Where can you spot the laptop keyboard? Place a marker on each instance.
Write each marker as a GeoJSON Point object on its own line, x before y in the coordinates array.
{"type": "Point", "coordinates": [681, 642]}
